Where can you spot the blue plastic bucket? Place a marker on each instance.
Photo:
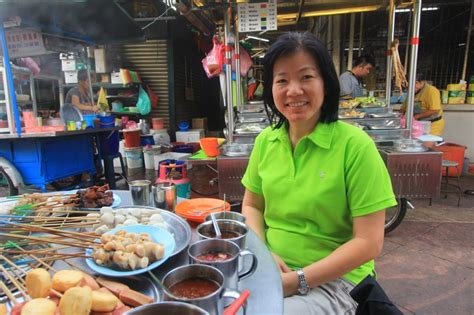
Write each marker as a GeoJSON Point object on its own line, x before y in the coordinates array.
{"type": "Point", "coordinates": [107, 121]}
{"type": "Point", "coordinates": [89, 119]}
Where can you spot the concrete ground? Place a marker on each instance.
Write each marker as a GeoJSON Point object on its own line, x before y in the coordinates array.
{"type": "Point", "coordinates": [427, 265]}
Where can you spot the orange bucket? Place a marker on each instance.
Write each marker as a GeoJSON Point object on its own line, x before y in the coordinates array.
{"type": "Point", "coordinates": [132, 138]}
{"type": "Point", "coordinates": [209, 146]}
{"type": "Point", "coordinates": [158, 123]}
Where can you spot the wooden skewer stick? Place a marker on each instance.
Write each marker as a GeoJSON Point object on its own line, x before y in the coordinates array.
{"type": "Point", "coordinates": [15, 283]}
{"type": "Point", "coordinates": [54, 231]}
{"type": "Point", "coordinates": [77, 254]}
{"type": "Point", "coordinates": [8, 293]}
{"type": "Point", "coordinates": [11, 263]}
{"type": "Point", "coordinates": [46, 240]}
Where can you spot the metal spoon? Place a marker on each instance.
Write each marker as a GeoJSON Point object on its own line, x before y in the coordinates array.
{"type": "Point", "coordinates": [216, 226]}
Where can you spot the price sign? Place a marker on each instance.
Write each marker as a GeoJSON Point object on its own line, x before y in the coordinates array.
{"type": "Point", "coordinates": [254, 17]}
{"type": "Point", "coordinates": [24, 42]}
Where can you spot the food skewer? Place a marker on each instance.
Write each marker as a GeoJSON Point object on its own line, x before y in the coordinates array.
{"type": "Point", "coordinates": [11, 263]}
{"type": "Point", "coordinates": [38, 228]}
{"type": "Point", "coordinates": [47, 240]}
{"type": "Point", "coordinates": [15, 283]}
{"type": "Point", "coordinates": [8, 293]}
{"type": "Point", "coordinates": [77, 254]}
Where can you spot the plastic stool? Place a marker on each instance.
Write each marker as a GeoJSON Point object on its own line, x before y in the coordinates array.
{"type": "Point", "coordinates": [446, 164]}
{"type": "Point", "coordinates": [109, 171]}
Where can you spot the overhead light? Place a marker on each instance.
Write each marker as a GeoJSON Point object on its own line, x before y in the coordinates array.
{"type": "Point", "coordinates": [257, 38]}
{"type": "Point", "coordinates": [355, 48]}
{"type": "Point", "coordinates": [422, 9]}
{"type": "Point", "coordinates": [461, 44]}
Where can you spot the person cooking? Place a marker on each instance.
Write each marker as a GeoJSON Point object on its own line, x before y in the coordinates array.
{"type": "Point", "coordinates": [316, 187]}
{"type": "Point", "coordinates": [79, 96]}
{"type": "Point", "coordinates": [350, 81]}
{"type": "Point", "coordinates": [427, 105]}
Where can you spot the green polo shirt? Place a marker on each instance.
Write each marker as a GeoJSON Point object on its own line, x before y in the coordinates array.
{"type": "Point", "coordinates": [312, 193]}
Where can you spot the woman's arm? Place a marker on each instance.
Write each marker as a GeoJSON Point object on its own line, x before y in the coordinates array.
{"type": "Point", "coordinates": [366, 244]}
{"type": "Point", "coordinates": [252, 208]}
{"type": "Point", "coordinates": [82, 106]}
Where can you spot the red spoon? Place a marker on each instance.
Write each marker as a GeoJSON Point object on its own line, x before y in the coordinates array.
{"type": "Point", "coordinates": [234, 307]}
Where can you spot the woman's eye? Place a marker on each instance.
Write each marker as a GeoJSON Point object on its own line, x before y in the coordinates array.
{"type": "Point", "coordinates": [279, 81]}
{"type": "Point", "coordinates": [307, 77]}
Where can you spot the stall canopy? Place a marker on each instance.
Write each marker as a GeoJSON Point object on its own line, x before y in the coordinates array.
{"type": "Point", "coordinates": [90, 21]}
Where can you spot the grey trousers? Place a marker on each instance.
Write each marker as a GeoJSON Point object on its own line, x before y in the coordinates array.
{"type": "Point", "coordinates": [331, 298]}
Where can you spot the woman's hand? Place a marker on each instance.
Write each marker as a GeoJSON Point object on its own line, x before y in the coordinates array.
{"type": "Point", "coordinates": [281, 264]}
{"type": "Point", "coordinates": [95, 109]}
{"type": "Point", "coordinates": [290, 283]}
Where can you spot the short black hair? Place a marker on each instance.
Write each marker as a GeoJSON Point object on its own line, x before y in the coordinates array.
{"type": "Point", "coordinates": [82, 75]}
{"type": "Point", "coordinates": [363, 60]}
{"type": "Point", "coordinates": [420, 77]}
{"type": "Point", "coordinates": [287, 45]}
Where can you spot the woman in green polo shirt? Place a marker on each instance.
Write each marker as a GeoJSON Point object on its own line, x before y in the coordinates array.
{"type": "Point", "coordinates": [316, 188]}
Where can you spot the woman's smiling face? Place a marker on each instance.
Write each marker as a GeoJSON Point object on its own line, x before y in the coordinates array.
{"type": "Point", "coordinates": [298, 88]}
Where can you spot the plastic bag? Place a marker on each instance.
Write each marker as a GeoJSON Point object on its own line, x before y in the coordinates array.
{"type": "Point", "coordinates": [212, 63]}
{"type": "Point", "coordinates": [245, 61]}
{"type": "Point", "coordinates": [102, 102]}
{"type": "Point", "coordinates": [153, 97]}
{"type": "Point", "coordinates": [143, 103]}
{"type": "Point", "coordinates": [417, 127]}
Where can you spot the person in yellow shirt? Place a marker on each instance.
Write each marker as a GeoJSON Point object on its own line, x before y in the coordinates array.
{"type": "Point", "coordinates": [427, 105]}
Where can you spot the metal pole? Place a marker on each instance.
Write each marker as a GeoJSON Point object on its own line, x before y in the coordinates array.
{"type": "Point", "coordinates": [238, 82]}
{"type": "Point", "coordinates": [351, 42]}
{"type": "Point", "coordinates": [361, 32]}
{"type": "Point", "coordinates": [33, 95]}
{"type": "Point", "coordinates": [390, 37]}
{"type": "Point", "coordinates": [468, 42]}
{"type": "Point", "coordinates": [9, 80]}
{"type": "Point", "coordinates": [88, 66]}
{"type": "Point", "coordinates": [407, 49]}
{"type": "Point", "coordinates": [413, 55]}
{"type": "Point", "coordinates": [228, 75]}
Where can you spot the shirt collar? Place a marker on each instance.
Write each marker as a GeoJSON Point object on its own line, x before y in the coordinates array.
{"type": "Point", "coordinates": [321, 136]}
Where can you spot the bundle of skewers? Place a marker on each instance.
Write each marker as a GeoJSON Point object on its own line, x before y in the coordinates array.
{"type": "Point", "coordinates": [38, 204]}
{"type": "Point", "coordinates": [34, 244]}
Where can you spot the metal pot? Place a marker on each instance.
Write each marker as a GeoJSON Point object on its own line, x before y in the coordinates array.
{"type": "Point", "coordinates": [169, 308]}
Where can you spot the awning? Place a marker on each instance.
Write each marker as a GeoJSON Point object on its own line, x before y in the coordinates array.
{"type": "Point", "coordinates": [92, 21]}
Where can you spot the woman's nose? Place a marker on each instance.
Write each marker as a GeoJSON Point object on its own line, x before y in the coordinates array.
{"type": "Point", "coordinates": [294, 88]}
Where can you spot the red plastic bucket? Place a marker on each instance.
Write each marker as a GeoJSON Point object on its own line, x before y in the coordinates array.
{"type": "Point", "coordinates": [453, 152]}
{"type": "Point", "coordinates": [158, 123]}
{"type": "Point", "coordinates": [132, 138]}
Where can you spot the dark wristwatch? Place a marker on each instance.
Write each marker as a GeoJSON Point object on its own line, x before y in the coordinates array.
{"type": "Point", "coordinates": [303, 287]}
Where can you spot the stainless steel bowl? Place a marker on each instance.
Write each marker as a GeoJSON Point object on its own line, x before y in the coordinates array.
{"type": "Point", "coordinates": [168, 308]}
{"type": "Point", "coordinates": [409, 145]}
{"type": "Point", "coordinates": [236, 149]}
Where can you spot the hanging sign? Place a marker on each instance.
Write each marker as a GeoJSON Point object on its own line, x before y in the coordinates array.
{"type": "Point", "coordinates": [255, 17]}
{"type": "Point", "coordinates": [24, 42]}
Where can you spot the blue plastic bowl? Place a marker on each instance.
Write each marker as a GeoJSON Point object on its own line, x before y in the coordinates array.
{"type": "Point", "coordinates": [89, 119]}
{"type": "Point", "coordinates": [183, 126]}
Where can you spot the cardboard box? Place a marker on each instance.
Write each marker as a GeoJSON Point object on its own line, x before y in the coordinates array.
{"type": "Point", "coordinates": [116, 78]}
{"type": "Point", "coordinates": [100, 60]}
{"type": "Point", "coordinates": [70, 77]}
{"type": "Point", "coordinates": [105, 78]}
{"type": "Point", "coordinates": [192, 135]}
{"type": "Point", "coordinates": [68, 65]}
{"type": "Point", "coordinates": [199, 123]}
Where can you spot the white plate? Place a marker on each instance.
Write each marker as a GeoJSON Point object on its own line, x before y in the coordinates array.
{"type": "Point", "coordinates": [157, 234]}
{"type": "Point", "coordinates": [115, 203]}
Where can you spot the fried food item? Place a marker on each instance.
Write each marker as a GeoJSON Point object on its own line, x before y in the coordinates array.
{"type": "Point", "coordinates": [65, 279]}
{"type": "Point", "coordinates": [3, 309]}
{"type": "Point", "coordinates": [103, 302]}
{"type": "Point", "coordinates": [38, 283]}
{"type": "Point", "coordinates": [76, 301]}
{"type": "Point", "coordinates": [90, 282]}
{"type": "Point", "coordinates": [113, 286]}
{"type": "Point", "coordinates": [134, 298]}
{"type": "Point", "coordinates": [121, 310]}
{"type": "Point", "coordinates": [40, 306]}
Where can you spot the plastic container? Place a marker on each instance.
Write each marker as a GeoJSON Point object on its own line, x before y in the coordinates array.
{"type": "Point", "coordinates": [183, 126]}
{"type": "Point", "coordinates": [158, 123]}
{"type": "Point", "coordinates": [132, 138]}
{"type": "Point", "coordinates": [161, 136]}
{"type": "Point", "coordinates": [89, 119]}
{"type": "Point", "coordinates": [209, 146]}
{"type": "Point", "coordinates": [134, 157]}
{"type": "Point", "coordinates": [146, 140]}
{"type": "Point", "coordinates": [453, 152]}
{"type": "Point", "coordinates": [149, 153]}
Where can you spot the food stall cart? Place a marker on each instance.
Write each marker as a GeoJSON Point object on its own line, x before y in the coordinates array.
{"type": "Point", "coordinates": [415, 171]}
{"type": "Point", "coordinates": [38, 158]}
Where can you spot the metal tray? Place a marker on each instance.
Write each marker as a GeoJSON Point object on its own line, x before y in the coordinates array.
{"type": "Point", "coordinates": [384, 115]}
{"type": "Point", "coordinates": [236, 149]}
{"type": "Point", "coordinates": [176, 225]}
{"type": "Point", "coordinates": [383, 127]}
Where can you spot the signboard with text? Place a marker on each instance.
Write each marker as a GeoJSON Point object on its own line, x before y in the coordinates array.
{"type": "Point", "coordinates": [255, 17]}
{"type": "Point", "coordinates": [24, 42]}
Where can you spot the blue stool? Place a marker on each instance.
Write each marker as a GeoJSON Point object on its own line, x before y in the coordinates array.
{"type": "Point", "coordinates": [109, 171]}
